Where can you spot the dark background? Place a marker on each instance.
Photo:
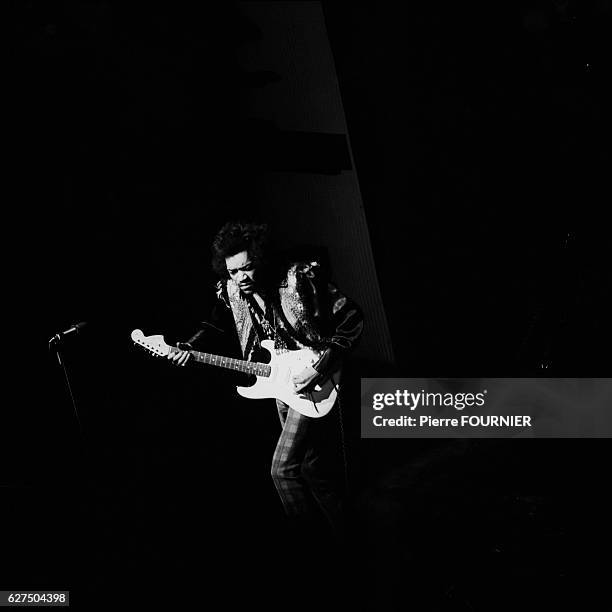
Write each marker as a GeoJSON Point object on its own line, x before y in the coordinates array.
{"type": "Point", "coordinates": [480, 137]}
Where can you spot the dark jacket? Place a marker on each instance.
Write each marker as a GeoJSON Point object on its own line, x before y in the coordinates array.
{"type": "Point", "coordinates": [308, 309]}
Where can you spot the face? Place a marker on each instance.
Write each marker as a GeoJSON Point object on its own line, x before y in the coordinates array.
{"type": "Point", "coordinates": [242, 271]}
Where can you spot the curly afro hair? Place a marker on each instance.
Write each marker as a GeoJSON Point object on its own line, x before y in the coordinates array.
{"type": "Point", "coordinates": [237, 236]}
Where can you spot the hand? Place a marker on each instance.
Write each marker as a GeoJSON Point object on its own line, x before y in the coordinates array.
{"type": "Point", "coordinates": [304, 379]}
{"type": "Point", "coordinates": [179, 358]}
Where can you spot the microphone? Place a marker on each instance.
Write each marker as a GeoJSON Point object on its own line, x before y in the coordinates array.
{"type": "Point", "coordinates": [71, 330]}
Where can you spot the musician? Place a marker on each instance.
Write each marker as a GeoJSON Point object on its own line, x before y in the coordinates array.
{"type": "Point", "coordinates": [291, 303]}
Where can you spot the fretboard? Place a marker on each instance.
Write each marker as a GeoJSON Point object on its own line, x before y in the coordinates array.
{"type": "Point", "coordinates": [248, 367]}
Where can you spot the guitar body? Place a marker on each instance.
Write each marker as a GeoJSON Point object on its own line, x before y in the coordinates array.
{"type": "Point", "coordinates": [278, 385]}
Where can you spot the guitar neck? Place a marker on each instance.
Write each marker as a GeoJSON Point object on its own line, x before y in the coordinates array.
{"type": "Point", "coordinates": [240, 365]}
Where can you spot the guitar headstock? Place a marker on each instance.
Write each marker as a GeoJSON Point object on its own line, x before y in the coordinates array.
{"type": "Point", "coordinates": [154, 344]}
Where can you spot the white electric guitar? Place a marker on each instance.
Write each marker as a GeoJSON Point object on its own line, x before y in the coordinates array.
{"type": "Point", "coordinates": [273, 378]}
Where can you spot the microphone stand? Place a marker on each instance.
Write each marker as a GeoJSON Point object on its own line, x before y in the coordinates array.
{"type": "Point", "coordinates": [55, 342]}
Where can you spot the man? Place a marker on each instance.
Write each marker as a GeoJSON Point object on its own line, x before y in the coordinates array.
{"type": "Point", "coordinates": [290, 303]}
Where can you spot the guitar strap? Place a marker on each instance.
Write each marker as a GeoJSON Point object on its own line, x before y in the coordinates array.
{"type": "Point", "coordinates": [295, 297]}
{"type": "Point", "coordinates": [242, 318]}
{"type": "Point", "coordinates": [265, 327]}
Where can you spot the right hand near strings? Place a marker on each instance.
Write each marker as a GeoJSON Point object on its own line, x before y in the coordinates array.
{"type": "Point", "coordinates": [179, 358]}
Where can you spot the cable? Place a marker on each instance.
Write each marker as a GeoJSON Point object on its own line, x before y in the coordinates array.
{"type": "Point", "coordinates": [342, 439]}
{"type": "Point", "coordinates": [74, 406]}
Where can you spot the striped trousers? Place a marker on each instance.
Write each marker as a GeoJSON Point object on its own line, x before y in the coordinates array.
{"type": "Point", "coordinates": [307, 466]}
